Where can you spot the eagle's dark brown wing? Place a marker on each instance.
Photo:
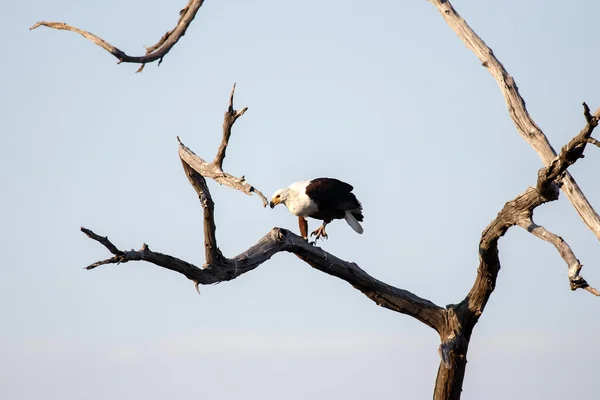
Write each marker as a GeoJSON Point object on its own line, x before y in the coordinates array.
{"type": "Point", "coordinates": [334, 198]}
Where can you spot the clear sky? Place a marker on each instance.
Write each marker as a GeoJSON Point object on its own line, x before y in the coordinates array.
{"type": "Point", "coordinates": [380, 94]}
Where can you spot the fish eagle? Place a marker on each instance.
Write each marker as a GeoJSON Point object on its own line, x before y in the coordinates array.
{"type": "Point", "coordinates": [322, 198]}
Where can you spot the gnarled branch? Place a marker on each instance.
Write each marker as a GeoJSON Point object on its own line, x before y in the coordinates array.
{"type": "Point", "coordinates": [518, 111]}
{"type": "Point", "coordinates": [278, 240]}
{"type": "Point", "coordinates": [155, 52]}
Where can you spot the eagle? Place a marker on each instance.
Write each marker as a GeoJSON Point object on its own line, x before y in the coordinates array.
{"type": "Point", "coordinates": [325, 199]}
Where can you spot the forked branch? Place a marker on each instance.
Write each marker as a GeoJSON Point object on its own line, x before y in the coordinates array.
{"type": "Point", "coordinates": [231, 115]}
{"type": "Point", "coordinates": [462, 317]}
{"type": "Point", "coordinates": [214, 169]}
{"type": "Point", "coordinates": [518, 111]}
{"type": "Point", "coordinates": [519, 212]}
{"type": "Point", "coordinates": [153, 53]}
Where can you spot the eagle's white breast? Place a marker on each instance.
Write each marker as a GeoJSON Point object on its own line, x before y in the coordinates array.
{"type": "Point", "coordinates": [298, 202]}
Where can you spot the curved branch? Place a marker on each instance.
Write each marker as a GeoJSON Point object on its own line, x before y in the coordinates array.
{"type": "Point", "coordinates": [153, 53]}
{"type": "Point", "coordinates": [517, 110]}
{"type": "Point", "coordinates": [278, 240]}
{"type": "Point", "coordinates": [576, 281]}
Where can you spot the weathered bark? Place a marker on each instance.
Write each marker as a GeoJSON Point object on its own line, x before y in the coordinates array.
{"type": "Point", "coordinates": [153, 53]}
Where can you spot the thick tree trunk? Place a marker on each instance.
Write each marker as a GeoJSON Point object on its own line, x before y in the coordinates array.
{"type": "Point", "coordinates": [453, 351]}
{"type": "Point", "coordinates": [448, 384]}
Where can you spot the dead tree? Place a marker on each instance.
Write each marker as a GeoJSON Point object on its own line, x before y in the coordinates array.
{"type": "Point", "coordinates": [455, 322]}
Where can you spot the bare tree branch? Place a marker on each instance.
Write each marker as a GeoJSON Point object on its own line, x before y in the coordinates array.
{"type": "Point", "coordinates": [278, 240]}
{"type": "Point", "coordinates": [229, 119]}
{"type": "Point", "coordinates": [153, 53]}
{"type": "Point", "coordinates": [594, 141]}
{"type": "Point", "coordinates": [213, 170]}
{"type": "Point", "coordinates": [517, 110]}
{"type": "Point", "coordinates": [211, 250]}
{"type": "Point", "coordinates": [569, 153]}
{"type": "Point", "coordinates": [575, 280]}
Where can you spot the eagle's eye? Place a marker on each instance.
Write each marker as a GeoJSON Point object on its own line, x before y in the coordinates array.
{"type": "Point", "coordinates": [278, 196]}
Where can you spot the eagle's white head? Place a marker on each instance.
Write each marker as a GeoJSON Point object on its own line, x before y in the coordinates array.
{"type": "Point", "coordinates": [295, 199]}
{"type": "Point", "coordinates": [280, 196]}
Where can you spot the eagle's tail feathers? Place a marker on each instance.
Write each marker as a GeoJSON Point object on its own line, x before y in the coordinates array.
{"type": "Point", "coordinates": [351, 220]}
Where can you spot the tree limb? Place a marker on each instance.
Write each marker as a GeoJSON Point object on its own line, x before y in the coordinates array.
{"type": "Point", "coordinates": [594, 141]}
{"type": "Point", "coordinates": [576, 281]}
{"type": "Point", "coordinates": [278, 240]}
{"type": "Point", "coordinates": [229, 119]}
{"type": "Point", "coordinates": [214, 170]}
{"type": "Point", "coordinates": [153, 53]}
{"type": "Point", "coordinates": [518, 111]}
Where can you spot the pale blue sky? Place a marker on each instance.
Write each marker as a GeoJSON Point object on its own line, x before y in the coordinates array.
{"type": "Point", "coordinates": [382, 95]}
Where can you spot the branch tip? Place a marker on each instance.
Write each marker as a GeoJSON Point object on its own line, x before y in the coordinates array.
{"type": "Point", "coordinates": [586, 112]}
{"type": "Point", "coordinates": [230, 108]}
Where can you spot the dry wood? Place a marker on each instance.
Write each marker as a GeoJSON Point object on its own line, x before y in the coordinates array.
{"type": "Point", "coordinates": [518, 111]}
{"type": "Point", "coordinates": [575, 280]}
{"type": "Point", "coordinates": [214, 170]}
{"type": "Point", "coordinates": [154, 52]}
{"type": "Point", "coordinates": [594, 141]}
{"type": "Point", "coordinates": [278, 240]}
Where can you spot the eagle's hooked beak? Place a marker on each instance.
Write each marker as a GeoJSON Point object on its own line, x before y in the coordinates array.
{"type": "Point", "coordinates": [274, 202]}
